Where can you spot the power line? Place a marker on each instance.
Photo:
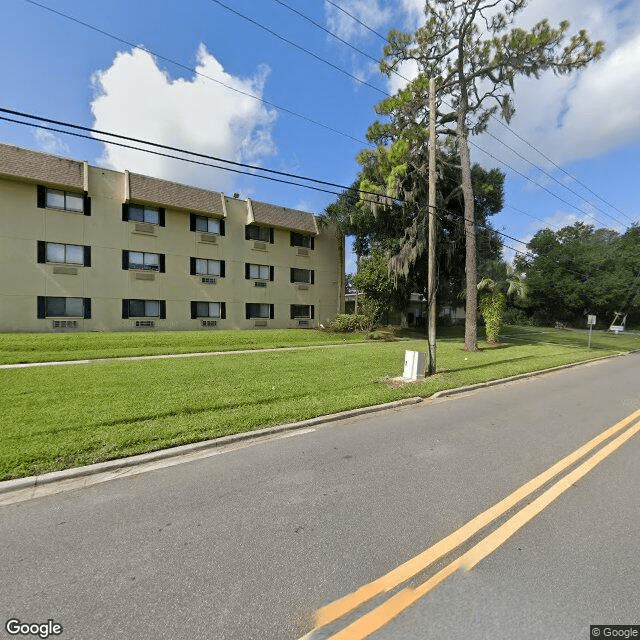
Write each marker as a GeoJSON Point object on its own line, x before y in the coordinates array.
{"type": "Point", "coordinates": [445, 213]}
{"type": "Point", "coordinates": [515, 133]}
{"type": "Point", "coordinates": [195, 71]}
{"type": "Point", "coordinates": [300, 47]}
{"type": "Point", "coordinates": [366, 26]}
{"type": "Point", "coordinates": [323, 28]}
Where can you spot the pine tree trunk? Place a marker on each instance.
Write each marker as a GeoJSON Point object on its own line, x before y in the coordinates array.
{"type": "Point", "coordinates": [471, 314]}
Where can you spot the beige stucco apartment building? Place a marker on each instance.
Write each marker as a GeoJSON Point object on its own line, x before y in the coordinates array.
{"type": "Point", "coordinates": [90, 249]}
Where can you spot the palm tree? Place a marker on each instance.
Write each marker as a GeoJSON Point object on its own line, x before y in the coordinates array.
{"type": "Point", "coordinates": [493, 305]}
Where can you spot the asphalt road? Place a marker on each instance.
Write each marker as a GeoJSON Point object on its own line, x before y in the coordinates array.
{"type": "Point", "coordinates": [251, 543]}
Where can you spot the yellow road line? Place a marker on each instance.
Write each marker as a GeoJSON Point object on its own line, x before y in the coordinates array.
{"type": "Point", "coordinates": [412, 567]}
{"type": "Point", "coordinates": [383, 614]}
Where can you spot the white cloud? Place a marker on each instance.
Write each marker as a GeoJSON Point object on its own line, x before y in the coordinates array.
{"type": "Point", "coordinates": [136, 98]}
{"type": "Point", "coordinates": [370, 12]}
{"type": "Point", "coordinates": [50, 143]}
{"type": "Point", "coordinates": [570, 117]}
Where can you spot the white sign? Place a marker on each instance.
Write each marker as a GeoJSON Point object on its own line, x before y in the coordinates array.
{"type": "Point", "coordinates": [591, 320]}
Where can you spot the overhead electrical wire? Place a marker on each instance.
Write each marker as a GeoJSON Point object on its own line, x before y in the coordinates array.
{"type": "Point", "coordinates": [441, 213]}
{"type": "Point", "coordinates": [402, 77]}
{"type": "Point", "coordinates": [194, 71]}
{"type": "Point", "coordinates": [300, 47]}
{"type": "Point", "coordinates": [310, 120]}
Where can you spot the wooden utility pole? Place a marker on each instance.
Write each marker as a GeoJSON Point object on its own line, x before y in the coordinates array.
{"type": "Point", "coordinates": [431, 282]}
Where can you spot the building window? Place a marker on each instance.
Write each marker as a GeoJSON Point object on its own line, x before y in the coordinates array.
{"type": "Point", "coordinates": [301, 240]}
{"type": "Point", "coordinates": [58, 253]}
{"type": "Point", "coordinates": [256, 232]}
{"type": "Point", "coordinates": [203, 267]}
{"type": "Point", "coordinates": [54, 307]}
{"type": "Point", "coordinates": [258, 272]}
{"type": "Point", "coordinates": [144, 309]}
{"type": "Point", "coordinates": [64, 200]}
{"type": "Point", "coordinates": [303, 276]}
{"type": "Point", "coordinates": [208, 310]}
{"type": "Point", "coordinates": [142, 213]}
{"type": "Point", "coordinates": [302, 311]}
{"type": "Point", "coordinates": [143, 261]}
{"type": "Point", "coordinates": [261, 310]}
{"type": "Point", "coordinates": [206, 225]}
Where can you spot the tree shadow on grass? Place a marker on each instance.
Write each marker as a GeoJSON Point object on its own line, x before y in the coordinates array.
{"type": "Point", "coordinates": [487, 365]}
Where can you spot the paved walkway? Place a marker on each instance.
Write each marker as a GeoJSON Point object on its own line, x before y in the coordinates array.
{"type": "Point", "coordinates": [57, 363]}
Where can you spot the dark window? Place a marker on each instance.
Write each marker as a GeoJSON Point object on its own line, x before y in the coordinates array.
{"type": "Point", "coordinates": [55, 307]}
{"type": "Point", "coordinates": [207, 225]}
{"type": "Point", "coordinates": [301, 311]}
{"type": "Point", "coordinates": [259, 310]}
{"type": "Point", "coordinates": [208, 310]}
{"type": "Point", "coordinates": [305, 276]}
{"type": "Point", "coordinates": [255, 232]}
{"type": "Point", "coordinates": [301, 240]}
{"type": "Point", "coordinates": [143, 309]}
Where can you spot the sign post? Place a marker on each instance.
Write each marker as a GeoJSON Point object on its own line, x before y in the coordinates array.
{"type": "Point", "coordinates": [591, 320]}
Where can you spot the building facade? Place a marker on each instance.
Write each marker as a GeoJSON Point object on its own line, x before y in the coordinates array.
{"type": "Point", "coordinates": [89, 249]}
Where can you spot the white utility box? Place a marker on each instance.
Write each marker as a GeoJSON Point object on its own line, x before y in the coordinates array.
{"type": "Point", "coordinates": [414, 365]}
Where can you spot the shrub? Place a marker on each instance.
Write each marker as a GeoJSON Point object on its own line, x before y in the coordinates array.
{"type": "Point", "coordinates": [347, 323]}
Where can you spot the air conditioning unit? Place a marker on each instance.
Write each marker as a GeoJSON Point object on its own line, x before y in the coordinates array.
{"type": "Point", "coordinates": [303, 252]}
{"type": "Point", "coordinates": [210, 238]}
{"type": "Point", "coordinates": [208, 280]}
{"type": "Point", "coordinates": [260, 283]}
{"type": "Point", "coordinates": [303, 287]}
{"type": "Point", "coordinates": [144, 275]}
{"type": "Point", "coordinates": [69, 271]}
{"type": "Point", "coordinates": [145, 323]}
{"type": "Point", "coordinates": [260, 323]}
{"type": "Point", "coordinates": [303, 323]}
{"type": "Point", "coordinates": [261, 246]}
{"type": "Point", "coordinates": [209, 323]}
{"type": "Point", "coordinates": [65, 324]}
{"type": "Point", "coordinates": [145, 227]}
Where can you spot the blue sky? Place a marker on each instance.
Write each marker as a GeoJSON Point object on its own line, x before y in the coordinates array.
{"type": "Point", "coordinates": [588, 124]}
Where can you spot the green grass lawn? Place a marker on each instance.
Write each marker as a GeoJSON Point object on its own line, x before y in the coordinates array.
{"type": "Point", "coordinates": [59, 417]}
{"type": "Point", "coordinates": [18, 348]}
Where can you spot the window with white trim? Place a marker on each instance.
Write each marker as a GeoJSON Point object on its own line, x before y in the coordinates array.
{"type": "Point", "coordinates": [258, 271]}
{"type": "Point", "coordinates": [58, 253]}
{"type": "Point", "coordinates": [65, 200]}
{"type": "Point", "coordinates": [205, 267]}
{"type": "Point", "coordinates": [138, 213]}
{"type": "Point", "coordinates": [144, 261]}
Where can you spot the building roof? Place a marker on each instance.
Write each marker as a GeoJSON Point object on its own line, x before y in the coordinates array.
{"type": "Point", "coordinates": [171, 194]}
{"type": "Point", "coordinates": [282, 217]}
{"type": "Point", "coordinates": [16, 162]}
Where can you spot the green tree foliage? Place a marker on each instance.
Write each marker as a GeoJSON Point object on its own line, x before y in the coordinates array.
{"type": "Point", "coordinates": [580, 270]}
{"type": "Point", "coordinates": [375, 282]}
{"type": "Point", "coordinates": [493, 303]}
{"type": "Point", "coordinates": [474, 53]}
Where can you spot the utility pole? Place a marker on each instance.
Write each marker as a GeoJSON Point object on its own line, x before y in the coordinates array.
{"type": "Point", "coordinates": [431, 281]}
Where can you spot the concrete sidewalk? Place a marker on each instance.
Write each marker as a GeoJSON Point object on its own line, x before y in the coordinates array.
{"type": "Point", "coordinates": [163, 356]}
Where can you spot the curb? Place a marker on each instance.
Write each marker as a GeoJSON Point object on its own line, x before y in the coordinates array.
{"type": "Point", "coordinates": [522, 376]}
{"type": "Point", "coordinates": [8, 486]}
{"type": "Point", "coordinates": [30, 482]}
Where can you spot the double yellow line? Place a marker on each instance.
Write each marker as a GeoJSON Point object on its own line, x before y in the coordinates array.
{"type": "Point", "coordinates": [384, 613]}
